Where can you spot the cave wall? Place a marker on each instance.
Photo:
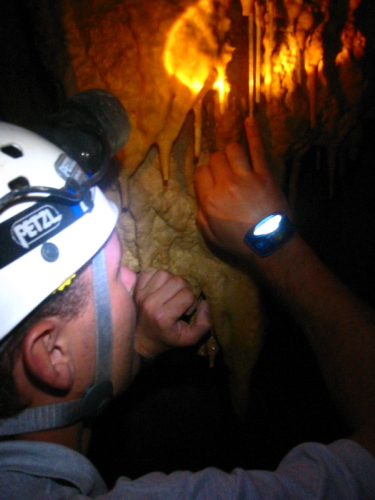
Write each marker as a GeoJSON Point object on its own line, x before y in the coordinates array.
{"type": "Point", "coordinates": [310, 68]}
{"type": "Point", "coordinates": [180, 400]}
{"type": "Point", "coordinates": [119, 46]}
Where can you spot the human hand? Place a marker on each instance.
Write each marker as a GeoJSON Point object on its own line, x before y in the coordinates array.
{"type": "Point", "coordinates": [161, 299]}
{"type": "Point", "coordinates": [234, 195]}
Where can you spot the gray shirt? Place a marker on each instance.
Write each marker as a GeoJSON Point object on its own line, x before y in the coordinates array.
{"type": "Point", "coordinates": [342, 470]}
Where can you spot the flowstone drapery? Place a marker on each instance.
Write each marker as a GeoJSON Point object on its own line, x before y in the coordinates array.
{"type": "Point", "coordinates": [188, 72]}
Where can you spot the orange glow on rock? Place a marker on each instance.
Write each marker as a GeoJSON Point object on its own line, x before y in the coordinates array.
{"type": "Point", "coordinates": [285, 65]}
{"type": "Point", "coordinates": [193, 50]}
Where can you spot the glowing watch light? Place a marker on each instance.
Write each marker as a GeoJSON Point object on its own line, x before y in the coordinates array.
{"type": "Point", "coordinates": [270, 234]}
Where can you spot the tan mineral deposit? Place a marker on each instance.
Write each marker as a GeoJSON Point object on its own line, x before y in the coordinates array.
{"type": "Point", "coordinates": [187, 73]}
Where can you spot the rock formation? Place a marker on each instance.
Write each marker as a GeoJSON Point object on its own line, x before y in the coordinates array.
{"type": "Point", "coordinates": [188, 72]}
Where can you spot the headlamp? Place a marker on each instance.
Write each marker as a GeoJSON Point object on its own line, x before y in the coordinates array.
{"type": "Point", "coordinates": [270, 234]}
{"type": "Point", "coordinates": [54, 219]}
{"type": "Point", "coordinates": [91, 128]}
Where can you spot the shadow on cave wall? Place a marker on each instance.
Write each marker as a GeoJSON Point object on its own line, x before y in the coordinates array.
{"type": "Point", "coordinates": [177, 415]}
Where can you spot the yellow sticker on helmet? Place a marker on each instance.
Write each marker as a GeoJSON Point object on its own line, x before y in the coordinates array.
{"type": "Point", "coordinates": [66, 283]}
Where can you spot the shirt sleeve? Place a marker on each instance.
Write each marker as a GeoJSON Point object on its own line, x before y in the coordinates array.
{"type": "Point", "coordinates": [341, 470]}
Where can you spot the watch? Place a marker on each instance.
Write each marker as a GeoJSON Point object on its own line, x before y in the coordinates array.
{"type": "Point", "coordinates": [270, 234]}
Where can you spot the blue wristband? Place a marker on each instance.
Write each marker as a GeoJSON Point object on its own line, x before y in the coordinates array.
{"type": "Point", "coordinates": [270, 234]}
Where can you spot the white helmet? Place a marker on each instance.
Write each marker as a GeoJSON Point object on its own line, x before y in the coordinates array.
{"type": "Point", "coordinates": [53, 220]}
{"type": "Point", "coordinates": [43, 239]}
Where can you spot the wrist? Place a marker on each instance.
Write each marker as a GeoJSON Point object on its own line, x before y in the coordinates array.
{"type": "Point", "coordinates": [270, 234]}
{"type": "Point", "coordinates": [149, 349]}
{"type": "Point", "coordinates": [289, 267]}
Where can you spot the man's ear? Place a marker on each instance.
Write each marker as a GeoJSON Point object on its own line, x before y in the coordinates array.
{"type": "Point", "coordinates": [47, 356]}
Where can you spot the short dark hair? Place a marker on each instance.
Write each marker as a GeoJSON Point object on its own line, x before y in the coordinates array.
{"type": "Point", "coordinates": [67, 304]}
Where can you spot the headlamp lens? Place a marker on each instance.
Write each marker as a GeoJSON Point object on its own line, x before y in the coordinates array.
{"type": "Point", "coordinates": [270, 234]}
{"type": "Point", "coordinates": [268, 225]}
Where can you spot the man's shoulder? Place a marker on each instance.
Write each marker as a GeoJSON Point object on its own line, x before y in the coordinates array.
{"type": "Point", "coordinates": [45, 468]}
{"type": "Point", "coordinates": [342, 470]}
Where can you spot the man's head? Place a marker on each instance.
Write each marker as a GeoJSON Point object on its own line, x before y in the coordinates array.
{"type": "Point", "coordinates": [47, 235]}
{"type": "Point", "coordinates": [51, 355]}
{"type": "Point", "coordinates": [44, 237]}
{"type": "Point", "coordinates": [66, 304]}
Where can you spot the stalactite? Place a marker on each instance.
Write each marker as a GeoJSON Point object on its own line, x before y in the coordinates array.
{"type": "Point", "coordinates": [197, 108]}
{"type": "Point", "coordinates": [258, 50]}
{"type": "Point", "coordinates": [251, 65]}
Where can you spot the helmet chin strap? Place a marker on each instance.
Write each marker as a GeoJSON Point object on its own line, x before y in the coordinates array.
{"type": "Point", "coordinates": [97, 396]}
